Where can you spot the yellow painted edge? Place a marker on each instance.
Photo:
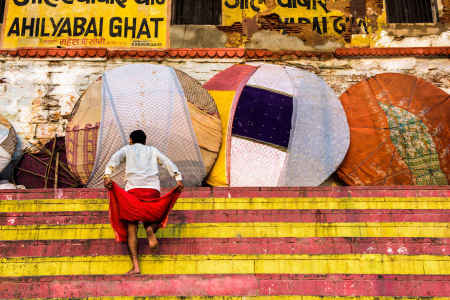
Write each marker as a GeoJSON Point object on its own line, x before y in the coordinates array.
{"type": "Point", "coordinates": [229, 264]}
{"type": "Point", "coordinates": [218, 175]}
{"type": "Point", "coordinates": [50, 205]}
{"type": "Point", "coordinates": [233, 230]}
{"type": "Point", "coordinates": [253, 298]}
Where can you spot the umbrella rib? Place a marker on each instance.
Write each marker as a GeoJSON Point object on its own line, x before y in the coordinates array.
{"type": "Point", "coordinates": [383, 181]}
{"type": "Point", "coordinates": [367, 158]}
{"type": "Point", "coordinates": [45, 164]}
{"type": "Point", "coordinates": [376, 128]}
{"type": "Point", "coordinates": [382, 87]}
{"type": "Point", "coordinates": [413, 91]}
{"type": "Point", "coordinates": [42, 176]}
{"type": "Point", "coordinates": [64, 167]}
{"type": "Point", "coordinates": [436, 105]}
{"type": "Point", "coordinates": [390, 166]}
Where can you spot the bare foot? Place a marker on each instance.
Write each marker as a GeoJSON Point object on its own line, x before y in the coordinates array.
{"type": "Point", "coordinates": [153, 246]}
{"type": "Point", "coordinates": [133, 272]}
{"type": "Point", "coordinates": [152, 240]}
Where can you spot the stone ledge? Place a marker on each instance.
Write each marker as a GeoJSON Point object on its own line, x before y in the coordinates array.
{"type": "Point", "coordinates": [191, 53]}
{"type": "Point", "coordinates": [225, 192]}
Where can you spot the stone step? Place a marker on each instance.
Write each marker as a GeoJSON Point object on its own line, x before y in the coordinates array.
{"type": "Point", "coordinates": [234, 230]}
{"type": "Point", "coordinates": [234, 216]}
{"type": "Point", "coordinates": [246, 192]}
{"type": "Point", "coordinates": [230, 246]}
{"type": "Point", "coordinates": [229, 264]}
{"type": "Point", "coordinates": [241, 286]}
{"type": "Point", "coordinates": [275, 203]}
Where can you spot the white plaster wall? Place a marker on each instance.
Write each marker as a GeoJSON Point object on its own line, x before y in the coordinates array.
{"type": "Point", "coordinates": [436, 40]}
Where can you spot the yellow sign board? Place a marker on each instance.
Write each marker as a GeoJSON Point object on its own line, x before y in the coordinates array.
{"type": "Point", "coordinates": [320, 16]}
{"type": "Point", "coordinates": [86, 23]}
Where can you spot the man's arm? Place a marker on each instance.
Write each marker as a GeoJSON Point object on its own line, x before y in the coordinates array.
{"type": "Point", "coordinates": [115, 161]}
{"type": "Point", "coordinates": [171, 167]}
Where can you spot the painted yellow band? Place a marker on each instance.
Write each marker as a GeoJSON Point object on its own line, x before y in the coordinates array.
{"type": "Point", "coordinates": [45, 205]}
{"type": "Point", "coordinates": [229, 264]}
{"type": "Point", "coordinates": [257, 298]}
{"type": "Point", "coordinates": [233, 230]}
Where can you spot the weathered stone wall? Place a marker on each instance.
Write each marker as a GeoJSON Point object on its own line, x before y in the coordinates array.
{"type": "Point", "coordinates": [37, 95]}
{"type": "Point", "coordinates": [301, 27]}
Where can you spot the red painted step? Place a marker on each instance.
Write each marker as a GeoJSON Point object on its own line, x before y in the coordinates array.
{"type": "Point", "coordinates": [266, 192]}
{"type": "Point", "coordinates": [225, 285]}
{"type": "Point", "coordinates": [209, 246]}
{"type": "Point", "coordinates": [238, 216]}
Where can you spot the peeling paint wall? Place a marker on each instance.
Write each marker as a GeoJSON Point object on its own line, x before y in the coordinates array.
{"type": "Point", "coordinates": [37, 95]}
{"type": "Point", "coordinates": [325, 25]}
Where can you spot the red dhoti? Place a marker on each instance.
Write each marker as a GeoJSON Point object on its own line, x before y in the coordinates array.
{"type": "Point", "coordinates": [144, 205]}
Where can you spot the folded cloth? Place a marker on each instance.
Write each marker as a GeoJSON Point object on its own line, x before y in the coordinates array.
{"type": "Point", "coordinates": [138, 204]}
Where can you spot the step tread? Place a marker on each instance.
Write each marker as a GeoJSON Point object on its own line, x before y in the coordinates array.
{"type": "Point", "coordinates": [192, 246]}
{"type": "Point", "coordinates": [247, 216]}
{"type": "Point", "coordinates": [233, 230]}
{"type": "Point", "coordinates": [49, 205]}
{"type": "Point", "coordinates": [196, 192]}
{"type": "Point", "coordinates": [227, 285]}
{"type": "Point", "coordinates": [229, 264]}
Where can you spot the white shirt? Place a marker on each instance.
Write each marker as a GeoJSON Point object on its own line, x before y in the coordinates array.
{"type": "Point", "coordinates": [141, 169]}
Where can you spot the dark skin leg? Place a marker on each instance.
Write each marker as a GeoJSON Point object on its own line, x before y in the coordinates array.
{"type": "Point", "coordinates": [133, 247]}
{"type": "Point", "coordinates": [151, 229]}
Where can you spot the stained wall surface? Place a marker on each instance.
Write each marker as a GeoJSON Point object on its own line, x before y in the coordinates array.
{"type": "Point", "coordinates": [320, 24]}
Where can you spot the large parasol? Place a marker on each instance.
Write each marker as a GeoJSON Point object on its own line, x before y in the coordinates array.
{"type": "Point", "coordinates": [178, 115]}
{"type": "Point", "coordinates": [400, 134]}
{"type": "Point", "coordinates": [283, 126]}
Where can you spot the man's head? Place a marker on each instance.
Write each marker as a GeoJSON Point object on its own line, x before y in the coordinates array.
{"type": "Point", "coordinates": [138, 137]}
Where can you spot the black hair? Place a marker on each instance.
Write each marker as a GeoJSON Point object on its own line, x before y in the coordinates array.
{"type": "Point", "coordinates": [138, 137]}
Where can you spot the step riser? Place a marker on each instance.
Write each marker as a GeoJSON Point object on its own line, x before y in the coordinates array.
{"type": "Point", "coordinates": [251, 298]}
{"type": "Point", "coordinates": [71, 205]}
{"type": "Point", "coordinates": [234, 216]}
{"type": "Point", "coordinates": [265, 192]}
{"type": "Point", "coordinates": [231, 285]}
{"type": "Point", "coordinates": [233, 230]}
{"type": "Point", "coordinates": [202, 246]}
{"type": "Point", "coordinates": [229, 264]}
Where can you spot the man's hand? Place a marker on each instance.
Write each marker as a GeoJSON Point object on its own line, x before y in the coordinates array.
{"type": "Point", "coordinates": [180, 185]}
{"type": "Point", "coordinates": [107, 182]}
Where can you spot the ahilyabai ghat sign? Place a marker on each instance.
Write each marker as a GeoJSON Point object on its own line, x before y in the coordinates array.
{"type": "Point", "coordinates": [317, 14]}
{"type": "Point", "coordinates": [86, 23]}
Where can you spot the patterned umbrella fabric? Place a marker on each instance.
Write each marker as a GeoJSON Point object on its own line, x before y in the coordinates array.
{"type": "Point", "coordinates": [400, 132]}
{"type": "Point", "coordinates": [178, 115]}
{"type": "Point", "coordinates": [282, 126]}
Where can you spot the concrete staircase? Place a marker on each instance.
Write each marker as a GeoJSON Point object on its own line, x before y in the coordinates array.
{"type": "Point", "coordinates": [252, 243]}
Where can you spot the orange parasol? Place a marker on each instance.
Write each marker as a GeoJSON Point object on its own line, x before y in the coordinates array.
{"type": "Point", "coordinates": [399, 132]}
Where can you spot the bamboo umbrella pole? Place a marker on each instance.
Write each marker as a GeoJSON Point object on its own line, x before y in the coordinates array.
{"type": "Point", "coordinates": [64, 167]}
{"type": "Point", "coordinates": [47, 172]}
{"type": "Point", "coordinates": [56, 170]}
{"type": "Point", "coordinates": [71, 184]}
